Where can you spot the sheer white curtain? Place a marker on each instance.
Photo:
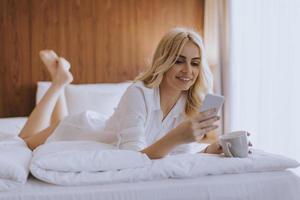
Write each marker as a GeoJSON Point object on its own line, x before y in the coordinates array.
{"type": "Point", "coordinates": [261, 71]}
{"type": "Point", "coordinates": [217, 39]}
{"type": "Point", "coordinates": [265, 62]}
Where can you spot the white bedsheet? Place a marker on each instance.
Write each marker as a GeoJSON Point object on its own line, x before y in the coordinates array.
{"type": "Point", "coordinates": [280, 185]}
{"type": "Point", "coordinates": [80, 163]}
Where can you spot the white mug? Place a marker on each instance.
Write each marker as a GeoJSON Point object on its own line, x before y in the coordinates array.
{"type": "Point", "coordinates": [235, 144]}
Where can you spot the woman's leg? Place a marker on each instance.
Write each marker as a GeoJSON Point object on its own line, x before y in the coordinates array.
{"type": "Point", "coordinates": [38, 126]}
{"type": "Point", "coordinates": [50, 59]}
{"type": "Point", "coordinates": [60, 109]}
{"type": "Point", "coordinates": [40, 117]}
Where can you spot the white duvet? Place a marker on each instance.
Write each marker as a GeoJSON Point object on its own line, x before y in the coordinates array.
{"type": "Point", "coordinates": [15, 158]}
{"type": "Point", "coordinates": [87, 162]}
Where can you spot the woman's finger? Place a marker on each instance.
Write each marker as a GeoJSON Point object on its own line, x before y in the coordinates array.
{"type": "Point", "coordinates": [205, 114]}
{"type": "Point", "coordinates": [202, 131]}
{"type": "Point", "coordinates": [219, 147]}
{"type": "Point", "coordinates": [210, 128]}
{"type": "Point", "coordinates": [209, 121]}
{"type": "Point", "coordinates": [205, 123]}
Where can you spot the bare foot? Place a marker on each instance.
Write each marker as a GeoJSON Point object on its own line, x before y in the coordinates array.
{"type": "Point", "coordinates": [62, 76]}
{"type": "Point", "coordinates": [50, 59]}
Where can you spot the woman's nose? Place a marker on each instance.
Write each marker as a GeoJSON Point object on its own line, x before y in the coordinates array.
{"type": "Point", "coordinates": [187, 68]}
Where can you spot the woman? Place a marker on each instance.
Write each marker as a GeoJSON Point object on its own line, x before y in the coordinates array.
{"type": "Point", "coordinates": [157, 114]}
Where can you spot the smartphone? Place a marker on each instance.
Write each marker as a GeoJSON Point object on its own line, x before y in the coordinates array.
{"type": "Point", "coordinates": [212, 101]}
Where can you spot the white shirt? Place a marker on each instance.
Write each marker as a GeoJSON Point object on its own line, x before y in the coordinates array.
{"type": "Point", "coordinates": [138, 120]}
{"type": "Point", "coordinates": [136, 123]}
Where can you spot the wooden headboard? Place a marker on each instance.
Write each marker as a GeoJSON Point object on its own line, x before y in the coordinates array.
{"type": "Point", "coordinates": [105, 40]}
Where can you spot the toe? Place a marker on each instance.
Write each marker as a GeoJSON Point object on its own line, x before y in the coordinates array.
{"type": "Point", "coordinates": [48, 56]}
{"type": "Point", "coordinates": [54, 55]}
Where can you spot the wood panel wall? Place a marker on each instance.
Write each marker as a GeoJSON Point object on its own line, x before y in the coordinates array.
{"type": "Point", "coordinates": [105, 40]}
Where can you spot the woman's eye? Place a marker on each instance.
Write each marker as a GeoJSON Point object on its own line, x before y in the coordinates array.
{"type": "Point", "coordinates": [178, 62]}
{"type": "Point", "coordinates": [196, 64]}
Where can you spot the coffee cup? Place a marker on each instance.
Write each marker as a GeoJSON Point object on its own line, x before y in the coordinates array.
{"type": "Point", "coordinates": [235, 144]}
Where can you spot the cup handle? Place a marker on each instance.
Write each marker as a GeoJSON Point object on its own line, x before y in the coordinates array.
{"type": "Point", "coordinates": [228, 146]}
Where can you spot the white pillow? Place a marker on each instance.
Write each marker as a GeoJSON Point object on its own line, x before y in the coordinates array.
{"type": "Point", "coordinates": [85, 156]}
{"type": "Point", "coordinates": [12, 125]}
{"type": "Point", "coordinates": [102, 97]}
{"type": "Point", "coordinates": [15, 158]}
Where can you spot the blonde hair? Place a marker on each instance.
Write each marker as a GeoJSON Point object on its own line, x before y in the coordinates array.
{"type": "Point", "coordinates": [165, 57]}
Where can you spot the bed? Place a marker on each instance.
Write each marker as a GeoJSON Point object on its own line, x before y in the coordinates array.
{"type": "Point", "coordinates": [256, 186]}
{"type": "Point", "coordinates": [265, 185]}
{"type": "Point", "coordinates": [273, 185]}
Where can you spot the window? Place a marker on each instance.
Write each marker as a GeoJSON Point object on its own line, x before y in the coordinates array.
{"type": "Point", "coordinates": [265, 73]}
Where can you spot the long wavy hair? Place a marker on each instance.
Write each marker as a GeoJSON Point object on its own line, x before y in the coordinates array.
{"type": "Point", "coordinates": [164, 58]}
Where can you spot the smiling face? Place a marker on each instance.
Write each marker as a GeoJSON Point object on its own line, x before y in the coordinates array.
{"type": "Point", "coordinates": [183, 74]}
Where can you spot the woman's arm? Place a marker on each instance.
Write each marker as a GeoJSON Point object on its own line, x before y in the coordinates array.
{"type": "Point", "coordinates": [164, 146]}
{"type": "Point", "coordinates": [188, 131]}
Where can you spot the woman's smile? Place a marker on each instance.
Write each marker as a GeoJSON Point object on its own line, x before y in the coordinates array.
{"type": "Point", "coordinates": [184, 79]}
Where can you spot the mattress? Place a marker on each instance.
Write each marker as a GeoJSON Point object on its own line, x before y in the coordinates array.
{"type": "Point", "coordinates": [251, 186]}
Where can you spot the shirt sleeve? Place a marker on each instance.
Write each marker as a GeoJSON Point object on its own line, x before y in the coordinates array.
{"type": "Point", "coordinates": [131, 116]}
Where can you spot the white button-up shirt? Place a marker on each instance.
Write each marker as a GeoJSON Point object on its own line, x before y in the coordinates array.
{"type": "Point", "coordinates": [136, 123]}
{"type": "Point", "coordinates": [138, 120]}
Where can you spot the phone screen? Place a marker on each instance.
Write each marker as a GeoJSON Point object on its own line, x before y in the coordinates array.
{"type": "Point", "coordinates": [212, 101]}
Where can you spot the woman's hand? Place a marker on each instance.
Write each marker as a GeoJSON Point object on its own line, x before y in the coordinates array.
{"type": "Point", "coordinates": [216, 148]}
{"type": "Point", "coordinates": [195, 128]}
{"type": "Point", "coordinates": [186, 132]}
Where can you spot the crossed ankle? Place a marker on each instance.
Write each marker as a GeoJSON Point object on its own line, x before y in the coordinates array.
{"type": "Point", "coordinates": [58, 86]}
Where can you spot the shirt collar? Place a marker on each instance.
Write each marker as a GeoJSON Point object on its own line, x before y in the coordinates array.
{"type": "Point", "coordinates": [178, 108]}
